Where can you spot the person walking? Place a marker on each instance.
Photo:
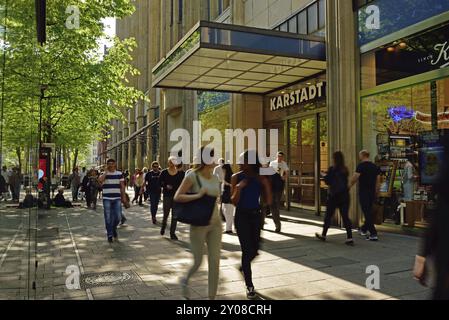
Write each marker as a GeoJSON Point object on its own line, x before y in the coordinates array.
{"type": "Point", "coordinates": [74, 183]}
{"type": "Point", "coordinates": [153, 189]}
{"type": "Point", "coordinates": [227, 206]}
{"type": "Point", "coordinates": [248, 186]}
{"type": "Point", "coordinates": [435, 243]}
{"type": "Point", "coordinates": [143, 189]}
{"type": "Point", "coordinates": [2, 187]}
{"type": "Point", "coordinates": [170, 180]}
{"type": "Point", "coordinates": [5, 174]}
{"type": "Point", "coordinates": [92, 189]}
{"type": "Point", "coordinates": [14, 183]}
{"type": "Point", "coordinates": [83, 174]}
{"type": "Point", "coordinates": [113, 185]}
{"type": "Point", "coordinates": [138, 187]}
{"type": "Point", "coordinates": [337, 179]}
{"type": "Point", "coordinates": [278, 186]}
{"type": "Point", "coordinates": [211, 235]}
{"type": "Point", "coordinates": [368, 177]}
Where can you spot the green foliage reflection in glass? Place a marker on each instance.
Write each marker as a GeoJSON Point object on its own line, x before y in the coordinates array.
{"type": "Point", "coordinates": [180, 52]}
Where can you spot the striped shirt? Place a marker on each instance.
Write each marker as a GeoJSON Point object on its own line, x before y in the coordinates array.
{"type": "Point", "coordinates": [111, 185]}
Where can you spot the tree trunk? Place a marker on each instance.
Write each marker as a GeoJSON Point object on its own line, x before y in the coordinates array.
{"type": "Point", "coordinates": [19, 158]}
{"type": "Point", "coordinates": [75, 158]}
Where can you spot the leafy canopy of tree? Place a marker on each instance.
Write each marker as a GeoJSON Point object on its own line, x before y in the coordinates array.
{"type": "Point", "coordinates": [83, 89]}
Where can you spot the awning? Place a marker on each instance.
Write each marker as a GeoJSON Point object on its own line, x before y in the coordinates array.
{"type": "Point", "coordinates": [239, 59]}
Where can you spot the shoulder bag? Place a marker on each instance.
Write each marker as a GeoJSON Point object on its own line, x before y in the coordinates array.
{"type": "Point", "coordinates": [197, 212]}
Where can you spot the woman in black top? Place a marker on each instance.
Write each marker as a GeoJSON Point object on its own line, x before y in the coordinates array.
{"type": "Point", "coordinates": [248, 187]}
{"type": "Point", "coordinates": [338, 196]}
{"type": "Point", "coordinates": [153, 189]}
{"type": "Point", "coordinates": [170, 181]}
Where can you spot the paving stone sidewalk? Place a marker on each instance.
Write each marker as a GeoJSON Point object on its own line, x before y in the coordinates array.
{"type": "Point", "coordinates": [145, 265]}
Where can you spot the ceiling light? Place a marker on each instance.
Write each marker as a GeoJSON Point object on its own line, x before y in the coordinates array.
{"type": "Point", "coordinates": [390, 49]}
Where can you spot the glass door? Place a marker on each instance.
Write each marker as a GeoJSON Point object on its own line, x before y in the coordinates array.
{"type": "Point", "coordinates": [303, 159]}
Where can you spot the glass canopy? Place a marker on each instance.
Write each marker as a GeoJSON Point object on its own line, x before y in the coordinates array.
{"type": "Point", "coordinates": [224, 57]}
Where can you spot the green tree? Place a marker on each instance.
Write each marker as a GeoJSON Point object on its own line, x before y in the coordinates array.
{"type": "Point", "coordinates": [78, 89]}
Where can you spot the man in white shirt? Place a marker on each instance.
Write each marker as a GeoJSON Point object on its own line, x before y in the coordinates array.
{"type": "Point", "coordinates": [278, 184]}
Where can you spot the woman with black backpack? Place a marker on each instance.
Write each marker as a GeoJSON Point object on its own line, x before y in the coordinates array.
{"type": "Point", "coordinates": [338, 197]}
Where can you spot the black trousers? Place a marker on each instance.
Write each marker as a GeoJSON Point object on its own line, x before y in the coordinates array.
{"type": "Point", "coordinates": [154, 203]}
{"type": "Point", "coordinates": [167, 203]}
{"type": "Point", "coordinates": [341, 202]}
{"type": "Point", "coordinates": [366, 202]}
{"type": "Point", "coordinates": [137, 195]}
{"type": "Point", "coordinates": [247, 225]}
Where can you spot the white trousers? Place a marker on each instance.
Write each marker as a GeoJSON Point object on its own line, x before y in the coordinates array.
{"type": "Point", "coordinates": [228, 212]}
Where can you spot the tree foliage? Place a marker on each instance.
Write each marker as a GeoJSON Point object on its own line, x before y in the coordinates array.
{"type": "Point", "coordinates": [83, 89]}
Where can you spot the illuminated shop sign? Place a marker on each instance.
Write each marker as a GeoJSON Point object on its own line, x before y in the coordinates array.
{"type": "Point", "coordinates": [383, 17]}
{"type": "Point", "coordinates": [297, 97]}
{"type": "Point", "coordinates": [415, 55]}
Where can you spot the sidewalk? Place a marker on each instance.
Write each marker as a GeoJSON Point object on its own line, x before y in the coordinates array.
{"type": "Point", "coordinates": [291, 265]}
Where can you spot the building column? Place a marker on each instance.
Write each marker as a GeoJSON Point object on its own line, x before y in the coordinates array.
{"type": "Point", "coordinates": [342, 84]}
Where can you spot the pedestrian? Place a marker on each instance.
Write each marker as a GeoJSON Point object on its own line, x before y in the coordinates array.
{"type": "Point", "coordinates": [170, 180]}
{"type": "Point", "coordinates": [5, 177]}
{"type": "Point", "coordinates": [2, 187]}
{"type": "Point", "coordinates": [435, 244]}
{"type": "Point", "coordinates": [408, 179]}
{"type": "Point", "coordinates": [218, 171]}
{"type": "Point", "coordinates": [368, 177]}
{"type": "Point", "coordinates": [113, 185]}
{"type": "Point", "coordinates": [278, 186]}
{"type": "Point", "coordinates": [143, 189]}
{"type": "Point", "coordinates": [83, 188]}
{"type": "Point", "coordinates": [337, 179]}
{"type": "Point", "coordinates": [14, 183]}
{"type": "Point", "coordinates": [248, 186]}
{"type": "Point", "coordinates": [92, 189]}
{"type": "Point", "coordinates": [226, 204]}
{"type": "Point", "coordinates": [59, 201]}
{"type": "Point", "coordinates": [138, 185]}
{"type": "Point", "coordinates": [196, 184]}
{"type": "Point", "coordinates": [74, 183]}
{"type": "Point", "coordinates": [83, 174]}
{"type": "Point", "coordinates": [126, 177]}
{"type": "Point", "coordinates": [153, 189]}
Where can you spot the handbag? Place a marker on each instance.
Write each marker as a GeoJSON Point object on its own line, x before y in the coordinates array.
{"type": "Point", "coordinates": [197, 212]}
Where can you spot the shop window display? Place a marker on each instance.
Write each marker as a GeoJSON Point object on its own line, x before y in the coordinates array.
{"type": "Point", "coordinates": [402, 128]}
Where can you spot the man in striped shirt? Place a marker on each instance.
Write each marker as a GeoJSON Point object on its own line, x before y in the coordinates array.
{"type": "Point", "coordinates": [113, 185]}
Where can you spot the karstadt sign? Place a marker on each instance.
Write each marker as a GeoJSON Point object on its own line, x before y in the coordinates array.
{"type": "Point", "coordinates": [301, 96]}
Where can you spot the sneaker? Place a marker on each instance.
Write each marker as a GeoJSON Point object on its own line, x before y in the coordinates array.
{"type": "Point", "coordinates": [229, 232]}
{"type": "Point", "coordinates": [116, 239]}
{"type": "Point", "coordinates": [349, 242]}
{"type": "Point", "coordinates": [110, 240]}
{"type": "Point", "coordinates": [162, 231]}
{"type": "Point", "coordinates": [278, 230]}
{"type": "Point", "coordinates": [123, 221]}
{"type": "Point", "coordinates": [372, 238]}
{"type": "Point", "coordinates": [363, 234]}
{"type": "Point", "coordinates": [251, 293]}
{"type": "Point", "coordinates": [174, 237]}
{"type": "Point", "coordinates": [154, 221]}
{"type": "Point", "coordinates": [320, 237]}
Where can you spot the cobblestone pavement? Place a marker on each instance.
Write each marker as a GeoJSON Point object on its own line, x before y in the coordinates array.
{"type": "Point", "coordinates": [292, 265]}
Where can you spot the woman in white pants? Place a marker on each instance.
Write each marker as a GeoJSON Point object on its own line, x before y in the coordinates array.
{"type": "Point", "coordinates": [190, 190]}
{"type": "Point", "coordinates": [227, 206]}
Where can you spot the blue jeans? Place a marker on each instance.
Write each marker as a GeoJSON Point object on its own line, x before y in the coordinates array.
{"type": "Point", "coordinates": [112, 216]}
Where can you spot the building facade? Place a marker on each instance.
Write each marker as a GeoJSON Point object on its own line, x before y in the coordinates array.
{"type": "Point", "coordinates": [335, 92]}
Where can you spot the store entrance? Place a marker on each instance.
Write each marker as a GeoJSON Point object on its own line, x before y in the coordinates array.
{"type": "Point", "coordinates": [308, 157]}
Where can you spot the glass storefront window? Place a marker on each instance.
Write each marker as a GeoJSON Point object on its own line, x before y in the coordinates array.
{"type": "Point", "coordinates": [395, 128]}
